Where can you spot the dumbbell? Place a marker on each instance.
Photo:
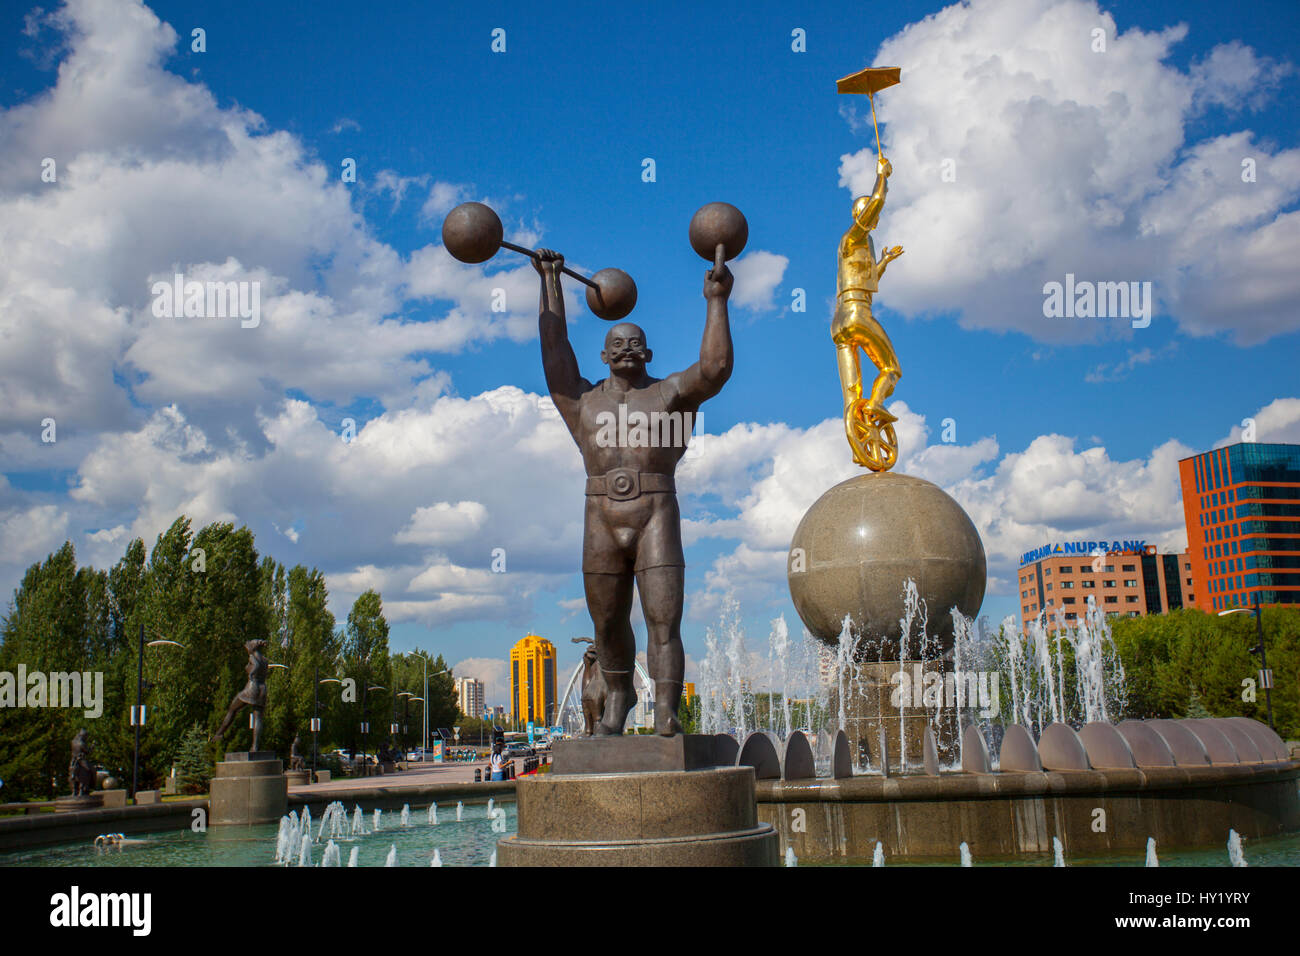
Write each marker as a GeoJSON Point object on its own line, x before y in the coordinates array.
{"type": "Point", "coordinates": [472, 233]}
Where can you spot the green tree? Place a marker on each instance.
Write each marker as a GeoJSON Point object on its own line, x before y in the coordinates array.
{"type": "Point", "coordinates": [58, 622]}
{"type": "Point", "coordinates": [194, 761]}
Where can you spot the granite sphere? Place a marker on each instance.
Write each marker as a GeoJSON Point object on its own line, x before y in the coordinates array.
{"type": "Point", "coordinates": [859, 543]}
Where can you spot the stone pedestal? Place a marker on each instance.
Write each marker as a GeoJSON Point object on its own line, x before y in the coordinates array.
{"type": "Point", "coordinates": [297, 778]}
{"type": "Point", "coordinates": [636, 754]}
{"type": "Point", "coordinates": [248, 788]}
{"type": "Point", "coordinates": [704, 817]}
{"type": "Point", "coordinates": [873, 705]}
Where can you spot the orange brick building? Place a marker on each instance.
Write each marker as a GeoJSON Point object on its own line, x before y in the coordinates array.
{"type": "Point", "coordinates": [1126, 578]}
{"type": "Point", "coordinates": [1242, 508]}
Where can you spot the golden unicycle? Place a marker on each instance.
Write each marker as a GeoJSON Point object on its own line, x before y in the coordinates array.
{"type": "Point", "coordinates": [871, 435]}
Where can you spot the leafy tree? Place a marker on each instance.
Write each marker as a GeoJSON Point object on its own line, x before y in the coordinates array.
{"type": "Point", "coordinates": [1189, 661]}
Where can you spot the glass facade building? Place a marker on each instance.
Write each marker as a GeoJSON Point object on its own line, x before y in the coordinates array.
{"type": "Point", "coordinates": [532, 681]}
{"type": "Point", "coordinates": [1241, 504]}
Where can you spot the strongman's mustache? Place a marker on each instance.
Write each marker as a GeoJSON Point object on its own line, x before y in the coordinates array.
{"type": "Point", "coordinates": [628, 353]}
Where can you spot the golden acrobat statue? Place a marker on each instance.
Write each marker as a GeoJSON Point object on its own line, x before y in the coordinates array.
{"type": "Point", "coordinates": [869, 427]}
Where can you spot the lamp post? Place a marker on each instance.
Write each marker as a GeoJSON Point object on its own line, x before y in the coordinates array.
{"type": "Point", "coordinates": [424, 740]}
{"type": "Point", "coordinates": [365, 726]}
{"type": "Point", "coordinates": [1265, 675]}
{"type": "Point", "coordinates": [315, 721]}
{"type": "Point", "coordinates": [137, 712]}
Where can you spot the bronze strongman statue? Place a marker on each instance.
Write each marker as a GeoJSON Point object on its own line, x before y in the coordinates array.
{"type": "Point", "coordinates": [632, 527]}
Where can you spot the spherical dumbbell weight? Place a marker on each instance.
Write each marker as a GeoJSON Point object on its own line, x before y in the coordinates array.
{"type": "Point", "coordinates": [472, 232]}
{"type": "Point", "coordinates": [718, 224]}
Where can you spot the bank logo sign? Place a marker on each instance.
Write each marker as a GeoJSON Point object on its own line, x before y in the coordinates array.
{"type": "Point", "coordinates": [1082, 547]}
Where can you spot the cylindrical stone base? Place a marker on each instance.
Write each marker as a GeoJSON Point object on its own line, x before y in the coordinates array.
{"type": "Point", "coordinates": [248, 792]}
{"type": "Point", "coordinates": [903, 706]}
{"type": "Point", "coordinates": [677, 818]}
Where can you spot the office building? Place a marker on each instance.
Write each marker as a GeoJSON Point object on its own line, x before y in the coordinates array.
{"type": "Point", "coordinates": [1242, 508]}
{"type": "Point", "coordinates": [1125, 578]}
{"type": "Point", "coordinates": [471, 694]}
{"type": "Point", "coordinates": [532, 681]}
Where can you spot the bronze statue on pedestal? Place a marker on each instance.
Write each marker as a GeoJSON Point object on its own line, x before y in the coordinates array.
{"type": "Point", "coordinates": [253, 695]}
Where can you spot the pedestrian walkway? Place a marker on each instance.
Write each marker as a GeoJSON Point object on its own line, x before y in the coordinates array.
{"type": "Point", "coordinates": [419, 775]}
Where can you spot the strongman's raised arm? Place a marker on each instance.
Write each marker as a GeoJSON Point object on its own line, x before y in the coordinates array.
{"type": "Point", "coordinates": [632, 528]}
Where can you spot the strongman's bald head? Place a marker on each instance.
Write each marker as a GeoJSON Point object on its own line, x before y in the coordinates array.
{"type": "Point", "coordinates": [625, 348]}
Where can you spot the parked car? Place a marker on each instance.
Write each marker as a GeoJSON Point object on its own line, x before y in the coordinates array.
{"type": "Point", "coordinates": [520, 750]}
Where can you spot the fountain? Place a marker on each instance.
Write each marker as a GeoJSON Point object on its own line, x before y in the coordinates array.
{"type": "Point", "coordinates": [304, 852]}
{"type": "Point", "coordinates": [1235, 855]}
{"type": "Point", "coordinates": [437, 858]}
{"type": "Point", "coordinates": [1152, 859]}
{"type": "Point", "coordinates": [878, 857]}
{"type": "Point", "coordinates": [378, 817]}
{"type": "Point", "coordinates": [358, 823]}
{"type": "Point", "coordinates": [406, 815]}
{"type": "Point", "coordinates": [331, 856]}
{"type": "Point", "coordinates": [433, 814]}
{"type": "Point", "coordinates": [391, 859]}
{"type": "Point", "coordinates": [352, 856]}
{"type": "Point", "coordinates": [460, 811]}
{"type": "Point", "coordinates": [965, 854]}
{"type": "Point", "coordinates": [790, 858]}
{"type": "Point", "coordinates": [335, 820]}
{"type": "Point", "coordinates": [1058, 852]}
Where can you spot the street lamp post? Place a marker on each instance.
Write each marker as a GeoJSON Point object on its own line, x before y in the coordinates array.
{"type": "Point", "coordinates": [315, 721]}
{"type": "Point", "coordinates": [137, 712]}
{"type": "Point", "coordinates": [137, 716]}
{"type": "Point", "coordinates": [1266, 678]}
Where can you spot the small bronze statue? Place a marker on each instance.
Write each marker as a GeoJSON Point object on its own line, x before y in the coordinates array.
{"type": "Point", "coordinates": [253, 695]}
{"type": "Point", "coordinates": [295, 755]}
{"type": "Point", "coordinates": [81, 774]}
{"type": "Point", "coordinates": [593, 687]}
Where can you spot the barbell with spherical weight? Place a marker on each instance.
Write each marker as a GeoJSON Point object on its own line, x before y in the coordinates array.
{"type": "Point", "coordinates": [472, 233]}
{"type": "Point", "coordinates": [718, 224]}
{"type": "Point", "coordinates": [611, 294]}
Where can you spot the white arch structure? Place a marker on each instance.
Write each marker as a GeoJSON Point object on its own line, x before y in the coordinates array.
{"type": "Point", "coordinates": [570, 711]}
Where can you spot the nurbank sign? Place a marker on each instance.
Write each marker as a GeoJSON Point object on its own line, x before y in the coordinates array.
{"type": "Point", "coordinates": [1082, 547]}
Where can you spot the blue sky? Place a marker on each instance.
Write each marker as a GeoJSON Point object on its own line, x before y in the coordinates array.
{"type": "Point", "coordinates": [1139, 184]}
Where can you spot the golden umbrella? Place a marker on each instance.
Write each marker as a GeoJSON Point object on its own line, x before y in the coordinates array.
{"type": "Point", "coordinates": [871, 81]}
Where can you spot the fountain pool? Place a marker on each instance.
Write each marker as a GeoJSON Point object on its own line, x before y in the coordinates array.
{"type": "Point", "coordinates": [469, 842]}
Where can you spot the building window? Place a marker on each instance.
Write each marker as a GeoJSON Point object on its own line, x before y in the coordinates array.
{"type": "Point", "coordinates": [1131, 599]}
{"type": "Point", "coordinates": [1112, 599]}
{"type": "Point", "coordinates": [1108, 584]}
{"type": "Point", "coordinates": [1064, 569]}
{"type": "Point", "coordinates": [1048, 588]}
{"type": "Point", "coordinates": [1067, 600]}
{"type": "Point", "coordinates": [1130, 582]}
{"type": "Point", "coordinates": [1067, 584]}
{"type": "Point", "coordinates": [1089, 584]}
{"type": "Point", "coordinates": [1130, 567]}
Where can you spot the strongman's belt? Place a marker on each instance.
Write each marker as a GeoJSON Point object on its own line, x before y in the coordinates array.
{"type": "Point", "coordinates": [624, 484]}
